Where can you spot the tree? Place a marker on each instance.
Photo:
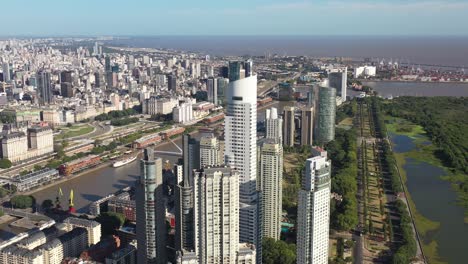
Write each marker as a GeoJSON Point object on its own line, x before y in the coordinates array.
{"type": "Point", "coordinates": [110, 221]}
{"type": "Point", "coordinates": [3, 192]}
{"type": "Point", "coordinates": [22, 201]}
{"type": "Point", "coordinates": [47, 204]}
{"type": "Point", "coordinates": [37, 167]}
{"type": "Point", "coordinates": [5, 164]}
{"type": "Point", "coordinates": [278, 252]}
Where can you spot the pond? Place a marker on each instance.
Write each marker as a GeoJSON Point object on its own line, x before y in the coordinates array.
{"type": "Point", "coordinates": [436, 200]}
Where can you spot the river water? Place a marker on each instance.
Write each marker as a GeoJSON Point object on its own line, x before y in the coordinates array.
{"type": "Point", "coordinates": [436, 200]}
{"type": "Point", "coordinates": [96, 184]}
{"type": "Point", "coordinates": [386, 89]}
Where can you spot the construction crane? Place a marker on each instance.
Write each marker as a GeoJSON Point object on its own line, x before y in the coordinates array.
{"type": "Point", "coordinates": [71, 206]}
{"type": "Point", "coordinates": [57, 198]}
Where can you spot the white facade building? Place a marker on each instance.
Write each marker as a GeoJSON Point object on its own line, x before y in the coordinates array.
{"type": "Point", "coordinates": [209, 152]}
{"type": "Point", "coordinates": [241, 149]}
{"type": "Point", "coordinates": [314, 211]}
{"type": "Point", "coordinates": [183, 113]}
{"type": "Point", "coordinates": [93, 228]}
{"type": "Point", "coordinates": [153, 106]}
{"type": "Point", "coordinates": [216, 196]}
{"type": "Point", "coordinates": [18, 146]}
{"type": "Point", "coordinates": [365, 71]}
{"type": "Point", "coordinates": [274, 125]}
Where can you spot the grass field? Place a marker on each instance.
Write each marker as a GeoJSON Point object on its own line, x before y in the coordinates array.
{"type": "Point", "coordinates": [74, 131]}
{"type": "Point", "coordinates": [403, 127]}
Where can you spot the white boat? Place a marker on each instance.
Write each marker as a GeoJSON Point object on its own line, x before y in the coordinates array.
{"type": "Point", "coordinates": [123, 162]}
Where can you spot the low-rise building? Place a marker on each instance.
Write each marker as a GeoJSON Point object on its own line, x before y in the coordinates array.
{"type": "Point", "coordinates": [93, 228]}
{"type": "Point", "coordinates": [34, 179]}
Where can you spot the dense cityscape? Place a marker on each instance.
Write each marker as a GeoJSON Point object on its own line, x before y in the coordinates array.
{"type": "Point", "coordinates": [201, 158]}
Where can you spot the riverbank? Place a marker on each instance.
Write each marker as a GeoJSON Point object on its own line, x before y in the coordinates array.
{"type": "Point", "coordinates": [414, 153]}
{"type": "Point", "coordinates": [92, 169]}
{"type": "Point", "coordinates": [408, 81]}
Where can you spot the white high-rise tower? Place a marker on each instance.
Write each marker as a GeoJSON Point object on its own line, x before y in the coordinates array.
{"type": "Point", "coordinates": [241, 148]}
{"type": "Point", "coordinates": [274, 125]}
{"type": "Point", "coordinates": [313, 218]}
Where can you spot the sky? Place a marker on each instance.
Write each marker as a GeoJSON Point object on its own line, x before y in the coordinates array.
{"type": "Point", "coordinates": [234, 17]}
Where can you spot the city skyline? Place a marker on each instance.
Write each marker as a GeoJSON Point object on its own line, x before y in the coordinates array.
{"type": "Point", "coordinates": [340, 17]}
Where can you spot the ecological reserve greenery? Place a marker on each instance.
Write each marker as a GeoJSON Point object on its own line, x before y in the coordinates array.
{"type": "Point", "coordinates": [445, 121]}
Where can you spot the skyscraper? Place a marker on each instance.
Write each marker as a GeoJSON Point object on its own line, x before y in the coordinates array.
{"type": "Point", "coordinates": [271, 180]}
{"type": "Point", "coordinates": [289, 126]}
{"type": "Point", "coordinates": [273, 125]}
{"type": "Point", "coordinates": [325, 107]}
{"type": "Point", "coordinates": [222, 86]}
{"type": "Point", "coordinates": [6, 71]}
{"type": "Point", "coordinates": [209, 152]}
{"type": "Point", "coordinates": [66, 77]}
{"type": "Point", "coordinates": [339, 80]}
{"type": "Point", "coordinates": [171, 82]}
{"type": "Point", "coordinates": [307, 126]}
{"type": "Point", "coordinates": [241, 149]}
{"type": "Point", "coordinates": [185, 226]}
{"type": "Point", "coordinates": [151, 215]}
{"type": "Point", "coordinates": [44, 87]}
{"type": "Point", "coordinates": [313, 217]}
{"type": "Point", "coordinates": [212, 90]}
{"type": "Point", "coordinates": [216, 195]}
{"type": "Point", "coordinates": [108, 64]}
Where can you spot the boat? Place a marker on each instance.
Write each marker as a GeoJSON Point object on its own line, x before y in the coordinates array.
{"type": "Point", "coordinates": [123, 162]}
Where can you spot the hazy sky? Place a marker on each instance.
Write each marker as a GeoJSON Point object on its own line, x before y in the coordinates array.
{"type": "Point", "coordinates": [234, 17]}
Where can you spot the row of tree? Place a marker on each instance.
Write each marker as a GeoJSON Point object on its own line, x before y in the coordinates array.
{"type": "Point", "coordinates": [124, 121]}
{"type": "Point", "coordinates": [342, 152]}
{"type": "Point", "coordinates": [406, 250]}
{"type": "Point", "coordinates": [116, 114]}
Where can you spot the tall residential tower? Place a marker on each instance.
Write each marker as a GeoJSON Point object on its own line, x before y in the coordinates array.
{"type": "Point", "coordinates": [150, 209]}
{"type": "Point", "coordinates": [313, 217]}
{"type": "Point", "coordinates": [241, 148]}
{"type": "Point", "coordinates": [271, 180]}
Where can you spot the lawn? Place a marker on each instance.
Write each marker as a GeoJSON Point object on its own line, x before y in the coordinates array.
{"type": "Point", "coordinates": [401, 126]}
{"type": "Point", "coordinates": [74, 131]}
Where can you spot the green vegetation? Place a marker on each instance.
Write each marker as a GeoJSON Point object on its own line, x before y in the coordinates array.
{"type": "Point", "coordinates": [445, 123]}
{"type": "Point", "coordinates": [101, 149]}
{"type": "Point", "coordinates": [75, 131]}
{"type": "Point", "coordinates": [47, 204]}
{"type": "Point", "coordinates": [345, 111]}
{"type": "Point", "coordinates": [116, 114]}
{"type": "Point", "coordinates": [5, 163]}
{"type": "Point", "coordinates": [342, 152]}
{"type": "Point", "coordinates": [294, 162]}
{"type": "Point", "coordinates": [110, 221]}
{"type": "Point", "coordinates": [407, 248]}
{"type": "Point", "coordinates": [124, 121]}
{"type": "Point", "coordinates": [22, 201]}
{"type": "Point", "coordinates": [7, 118]}
{"type": "Point", "coordinates": [278, 252]}
{"type": "Point", "coordinates": [161, 118]}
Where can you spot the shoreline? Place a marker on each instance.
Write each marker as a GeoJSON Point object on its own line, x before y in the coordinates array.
{"type": "Point", "coordinates": [67, 178]}
{"type": "Point", "coordinates": [413, 81]}
{"type": "Point", "coordinates": [426, 226]}
{"type": "Point", "coordinates": [84, 172]}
